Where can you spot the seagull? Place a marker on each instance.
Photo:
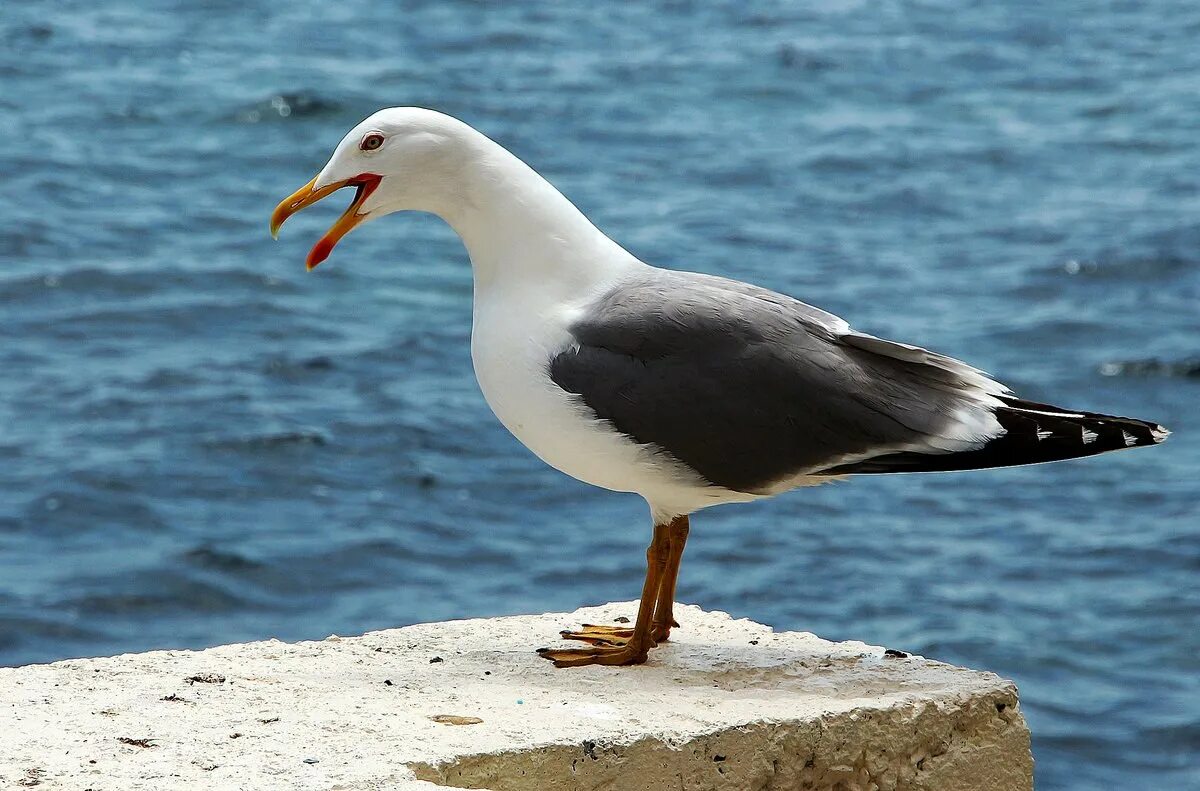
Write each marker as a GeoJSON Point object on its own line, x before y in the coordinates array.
{"type": "Point", "coordinates": [688, 389]}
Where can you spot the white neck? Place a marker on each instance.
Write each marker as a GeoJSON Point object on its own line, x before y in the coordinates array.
{"type": "Point", "coordinates": [519, 229]}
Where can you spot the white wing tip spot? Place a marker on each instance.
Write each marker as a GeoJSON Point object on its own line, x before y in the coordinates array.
{"type": "Point", "coordinates": [1158, 433]}
{"type": "Point", "coordinates": [1130, 440]}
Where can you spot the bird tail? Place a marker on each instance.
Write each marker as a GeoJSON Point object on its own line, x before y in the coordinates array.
{"type": "Point", "coordinates": [1034, 433]}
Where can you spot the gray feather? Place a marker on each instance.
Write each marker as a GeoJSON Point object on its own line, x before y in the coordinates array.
{"type": "Point", "coordinates": [749, 387]}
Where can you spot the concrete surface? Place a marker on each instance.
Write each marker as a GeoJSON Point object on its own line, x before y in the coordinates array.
{"type": "Point", "coordinates": [726, 705]}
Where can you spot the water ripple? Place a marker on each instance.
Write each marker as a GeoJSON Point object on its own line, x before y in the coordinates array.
{"type": "Point", "coordinates": [200, 443]}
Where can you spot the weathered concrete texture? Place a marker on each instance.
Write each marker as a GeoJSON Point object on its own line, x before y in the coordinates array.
{"type": "Point", "coordinates": [727, 705]}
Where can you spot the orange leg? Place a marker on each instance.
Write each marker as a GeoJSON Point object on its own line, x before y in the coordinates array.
{"type": "Point", "coordinates": [664, 610]}
{"type": "Point", "coordinates": [631, 649]}
{"type": "Point", "coordinates": [667, 550]}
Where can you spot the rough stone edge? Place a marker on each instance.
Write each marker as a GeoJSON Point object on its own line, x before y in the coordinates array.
{"type": "Point", "coordinates": [973, 743]}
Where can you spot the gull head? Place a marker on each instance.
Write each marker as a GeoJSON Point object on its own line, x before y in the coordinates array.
{"type": "Point", "coordinates": [398, 159]}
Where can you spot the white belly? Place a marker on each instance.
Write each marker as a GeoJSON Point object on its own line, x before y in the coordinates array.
{"type": "Point", "coordinates": [511, 353]}
{"type": "Point", "coordinates": [511, 348]}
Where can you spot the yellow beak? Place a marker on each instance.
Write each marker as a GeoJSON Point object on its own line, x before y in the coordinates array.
{"type": "Point", "coordinates": [307, 196]}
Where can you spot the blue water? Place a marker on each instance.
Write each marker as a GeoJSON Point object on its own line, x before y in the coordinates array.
{"type": "Point", "coordinates": [201, 443]}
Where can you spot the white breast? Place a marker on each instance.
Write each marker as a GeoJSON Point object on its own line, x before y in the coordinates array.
{"type": "Point", "coordinates": [514, 337]}
{"type": "Point", "coordinates": [512, 344]}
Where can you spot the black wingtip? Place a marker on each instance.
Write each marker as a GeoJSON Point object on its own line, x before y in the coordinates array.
{"type": "Point", "coordinates": [1033, 434]}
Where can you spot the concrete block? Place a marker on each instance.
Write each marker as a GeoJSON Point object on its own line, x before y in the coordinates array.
{"type": "Point", "coordinates": [728, 704]}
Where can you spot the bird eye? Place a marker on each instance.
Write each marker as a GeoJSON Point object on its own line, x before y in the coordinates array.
{"type": "Point", "coordinates": [371, 142]}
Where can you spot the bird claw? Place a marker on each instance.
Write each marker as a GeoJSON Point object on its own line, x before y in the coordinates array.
{"type": "Point", "coordinates": [599, 635]}
{"type": "Point", "coordinates": [602, 634]}
{"type": "Point", "coordinates": [598, 655]}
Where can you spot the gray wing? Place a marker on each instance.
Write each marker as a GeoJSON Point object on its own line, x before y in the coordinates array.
{"type": "Point", "coordinates": [750, 388]}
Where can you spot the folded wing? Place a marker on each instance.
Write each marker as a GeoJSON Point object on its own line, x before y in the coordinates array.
{"type": "Point", "coordinates": [752, 389]}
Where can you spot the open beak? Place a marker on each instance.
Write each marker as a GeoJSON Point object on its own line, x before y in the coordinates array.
{"type": "Point", "coordinates": [365, 183]}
